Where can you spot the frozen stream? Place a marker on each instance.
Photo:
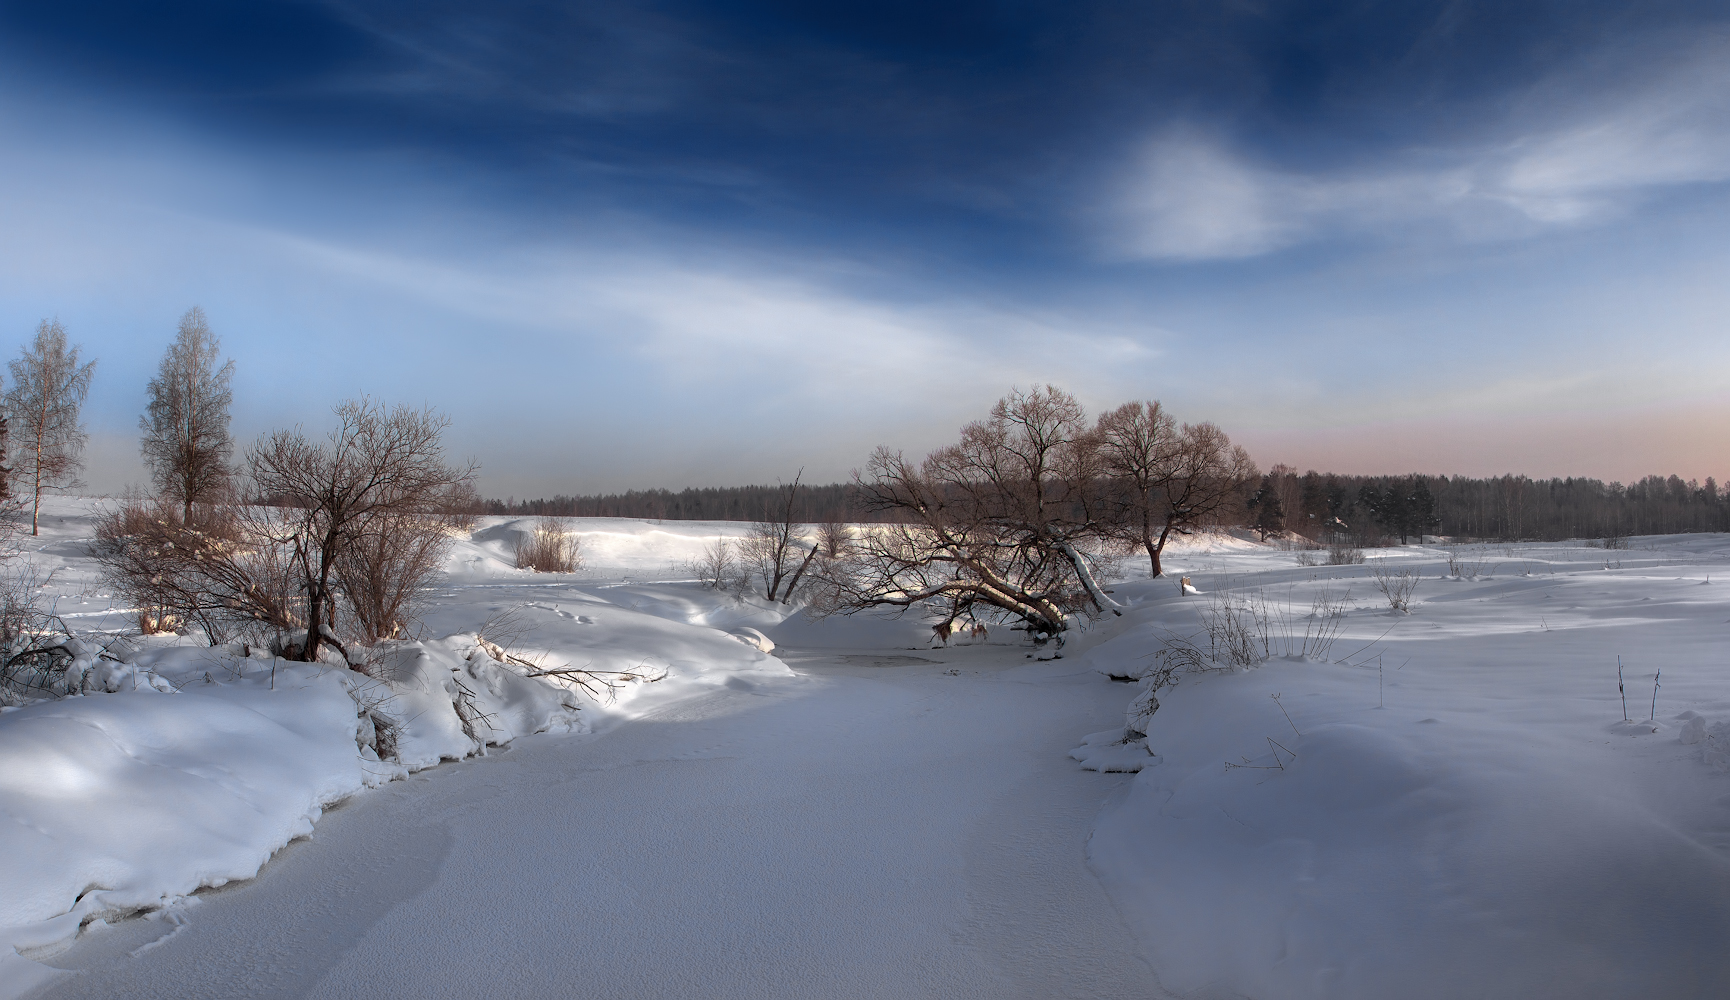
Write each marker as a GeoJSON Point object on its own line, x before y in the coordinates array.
{"type": "Point", "coordinates": [874, 827]}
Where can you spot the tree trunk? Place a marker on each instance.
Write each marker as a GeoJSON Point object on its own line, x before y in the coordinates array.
{"type": "Point", "coordinates": [318, 593]}
{"type": "Point", "coordinates": [1152, 553]}
{"type": "Point", "coordinates": [793, 584]}
{"type": "Point", "coordinates": [1082, 572]}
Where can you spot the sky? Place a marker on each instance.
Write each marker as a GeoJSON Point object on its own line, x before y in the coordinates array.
{"type": "Point", "coordinates": [675, 244]}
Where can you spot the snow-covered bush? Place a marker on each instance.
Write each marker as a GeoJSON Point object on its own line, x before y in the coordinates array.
{"type": "Point", "coordinates": [548, 548]}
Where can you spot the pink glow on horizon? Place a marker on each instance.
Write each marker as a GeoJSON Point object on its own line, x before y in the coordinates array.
{"type": "Point", "coordinates": [1690, 440]}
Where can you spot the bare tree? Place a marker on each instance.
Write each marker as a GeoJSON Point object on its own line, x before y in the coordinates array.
{"type": "Point", "coordinates": [186, 441]}
{"type": "Point", "coordinates": [371, 491]}
{"type": "Point", "coordinates": [995, 522]}
{"type": "Point", "coordinates": [1169, 480]}
{"type": "Point", "coordinates": [343, 536]}
{"type": "Point", "coordinates": [772, 549]}
{"type": "Point", "coordinates": [49, 386]}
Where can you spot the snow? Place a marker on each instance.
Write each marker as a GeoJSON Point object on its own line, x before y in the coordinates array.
{"type": "Point", "coordinates": [1462, 810]}
{"type": "Point", "coordinates": [1451, 802]}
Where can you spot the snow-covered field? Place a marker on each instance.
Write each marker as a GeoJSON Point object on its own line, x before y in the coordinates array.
{"type": "Point", "coordinates": [1443, 803]}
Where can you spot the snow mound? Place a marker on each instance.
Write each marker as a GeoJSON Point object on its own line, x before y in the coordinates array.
{"type": "Point", "coordinates": [1109, 751]}
{"type": "Point", "coordinates": [753, 638]}
{"type": "Point", "coordinates": [453, 697]}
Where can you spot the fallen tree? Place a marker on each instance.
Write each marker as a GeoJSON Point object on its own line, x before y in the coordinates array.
{"type": "Point", "coordinates": [999, 524]}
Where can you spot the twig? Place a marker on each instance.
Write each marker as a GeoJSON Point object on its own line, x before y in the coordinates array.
{"type": "Point", "coordinates": [1367, 645]}
{"type": "Point", "coordinates": [1287, 715]}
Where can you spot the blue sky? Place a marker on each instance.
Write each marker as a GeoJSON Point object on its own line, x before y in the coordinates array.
{"type": "Point", "coordinates": [684, 243]}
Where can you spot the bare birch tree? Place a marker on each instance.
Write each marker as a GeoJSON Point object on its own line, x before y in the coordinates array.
{"type": "Point", "coordinates": [49, 386]}
{"type": "Point", "coordinates": [186, 441]}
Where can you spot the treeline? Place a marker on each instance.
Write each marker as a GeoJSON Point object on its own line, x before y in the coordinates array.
{"type": "Point", "coordinates": [1317, 505]}
{"type": "Point", "coordinates": [836, 502]}
{"type": "Point", "coordinates": [1501, 508]}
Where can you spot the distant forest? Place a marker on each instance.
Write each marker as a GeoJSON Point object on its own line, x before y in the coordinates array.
{"type": "Point", "coordinates": [1366, 508]}
{"type": "Point", "coordinates": [816, 504]}
{"type": "Point", "coordinates": [1502, 508]}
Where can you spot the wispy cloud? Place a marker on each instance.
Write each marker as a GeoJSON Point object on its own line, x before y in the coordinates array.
{"type": "Point", "coordinates": [1570, 152]}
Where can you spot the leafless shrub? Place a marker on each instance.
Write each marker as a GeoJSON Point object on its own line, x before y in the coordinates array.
{"type": "Point", "coordinates": [1465, 567]}
{"type": "Point", "coordinates": [221, 572]}
{"type": "Point", "coordinates": [1343, 553]}
{"type": "Point", "coordinates": [1322, 626]}
{"type": "Point", "coordinates": [1244, 628]}
{"type": "Point", "coordinates": [21, 621]}
{"type": "Point", "coordinates": [548, 548]}
{"type": "Point", "coordinates": [1308, 558]}
{"type": "Point", "coordinates": [714, 568]}
{"type": "Point", "coordinates": [1614, 539]}
{"type": "Point", "coordinates": [1397, 587]}
{"type": "Point", "coordinates": [1238, 627]}
{"type": "Point", "coordinates": [384, 568]}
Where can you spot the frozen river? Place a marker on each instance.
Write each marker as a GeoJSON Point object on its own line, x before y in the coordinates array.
{"type": "Point", "coordinates": [880, 825]}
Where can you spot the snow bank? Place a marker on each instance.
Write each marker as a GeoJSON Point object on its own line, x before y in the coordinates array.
{"type": "Point", "coordinates": [611, 547]}
{"type": "Point", "coordinates": [123, 802]}
{"type": "Point", "coordinates": [1454, 809]}
{"type": "Point", "coordinates": [192, 766]}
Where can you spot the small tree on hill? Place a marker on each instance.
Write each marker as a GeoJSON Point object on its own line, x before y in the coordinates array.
{"type": "Point", "coordinates": [186, 441]}
{"type": "Point", "coordinates": [49, 386]}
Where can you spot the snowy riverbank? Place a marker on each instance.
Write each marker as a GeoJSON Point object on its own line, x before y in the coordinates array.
{"type": "Point", "coordinates": [1449, 802]}
{"type": "Point", "coordinates": [1440, 803]}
